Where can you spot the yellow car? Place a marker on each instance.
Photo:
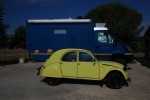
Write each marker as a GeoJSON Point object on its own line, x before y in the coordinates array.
{"type": "Point", "coordinates": [81, 64]}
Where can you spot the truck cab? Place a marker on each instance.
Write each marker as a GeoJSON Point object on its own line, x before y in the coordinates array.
{"type": "Point", "coordinates": [109, 48]}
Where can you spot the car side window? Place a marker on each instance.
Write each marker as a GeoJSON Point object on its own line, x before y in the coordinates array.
{"type": "Point", "coordinates": [85, 57]}
{"type": "Point", "coordinates": [70, 57]}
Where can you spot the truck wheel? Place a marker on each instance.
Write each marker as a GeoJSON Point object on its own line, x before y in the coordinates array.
{"type": "Point", "coordinates": [53, 81]}
{"type": "Point", "coordinates": [119, 60]}
{"type": "Point", "coordinates": [115, 81]}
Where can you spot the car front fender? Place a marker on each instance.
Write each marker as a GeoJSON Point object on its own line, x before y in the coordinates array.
{"type": "Point", "coordinates": [107, 69]}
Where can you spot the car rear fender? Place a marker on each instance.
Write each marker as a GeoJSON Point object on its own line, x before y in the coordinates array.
{"type": "Point", "coordinates": [51, 70]}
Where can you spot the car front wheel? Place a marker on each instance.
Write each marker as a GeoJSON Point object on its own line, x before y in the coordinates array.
{"type": "Point", "coordinates": [115, 81]}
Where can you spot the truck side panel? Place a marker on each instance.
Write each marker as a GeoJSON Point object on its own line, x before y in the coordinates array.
{"type": "Point", "coordinates": [44, 36]}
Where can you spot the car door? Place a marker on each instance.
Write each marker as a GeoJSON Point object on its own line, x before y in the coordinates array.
{"type": "Point", "coordinates": [69, 64]}
{"type": "Point", "coordinates": [87, 66]}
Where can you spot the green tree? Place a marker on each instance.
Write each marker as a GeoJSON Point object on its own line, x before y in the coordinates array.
{"type": "Point", "coordinates": [18, 39]}
{"type": "Point", "coordinates": [3, 29]}
{"type": "Point", "coordinates": [120, 19]}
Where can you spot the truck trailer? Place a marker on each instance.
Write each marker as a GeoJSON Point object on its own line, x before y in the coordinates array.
{"type": "Point", "coordinates": [45, 36]}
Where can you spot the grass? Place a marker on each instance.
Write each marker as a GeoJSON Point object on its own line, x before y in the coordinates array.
{"type": "Point", "coordinates": [12, 55]}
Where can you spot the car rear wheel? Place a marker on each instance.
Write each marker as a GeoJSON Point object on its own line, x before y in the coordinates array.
{"type": "Point", "coordinates": [53, 81]}
{"type": "Point", "coordinates": [115, 81]}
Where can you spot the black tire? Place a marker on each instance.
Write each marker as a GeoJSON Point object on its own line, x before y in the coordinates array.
{"type": "Point", "coordinates": [53, 81]}
{"type": "Point", "coordinates": [115, 81]}
{"type": "Point", "coordinates": [120, 60]}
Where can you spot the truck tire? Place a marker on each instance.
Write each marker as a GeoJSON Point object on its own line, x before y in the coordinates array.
{"type": "Point", "coordinates": [115, 81]}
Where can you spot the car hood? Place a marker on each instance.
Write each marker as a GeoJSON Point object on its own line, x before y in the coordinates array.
{"type": "Point", "coordinates": [111, 64]}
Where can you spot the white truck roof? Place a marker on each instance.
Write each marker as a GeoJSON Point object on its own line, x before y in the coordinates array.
{"type": "Point", "coordinates": [100, 26]}
{"type": "Point", "coordinates": [59, 21]}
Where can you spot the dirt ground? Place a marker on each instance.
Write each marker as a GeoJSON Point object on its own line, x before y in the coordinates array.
{"type": "Point", "coordinates": [19, 82]}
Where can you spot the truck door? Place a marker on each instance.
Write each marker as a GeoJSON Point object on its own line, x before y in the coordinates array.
{"type": "Point", "coordinates": [104, 44]}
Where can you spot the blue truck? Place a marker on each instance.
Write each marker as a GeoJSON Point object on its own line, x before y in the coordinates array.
{"type": "Point", "coordinates": [44, 34]}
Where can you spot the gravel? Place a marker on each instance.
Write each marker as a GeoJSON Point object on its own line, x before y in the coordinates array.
{"type": "Point", "coordinates": [19, 82]}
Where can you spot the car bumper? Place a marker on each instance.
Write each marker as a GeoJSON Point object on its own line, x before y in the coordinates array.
{"type": "Point", "coordinates": [128, 80]}
{"type": "Point", "coordinates": [38, 73]}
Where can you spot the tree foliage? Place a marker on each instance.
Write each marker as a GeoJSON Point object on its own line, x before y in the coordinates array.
{"type": "Point", "coordinates": [3, 29]}
{"type": "Point", "coordinates": [18, 39]}
{"type": "Point", "coordinates": [120, 19]}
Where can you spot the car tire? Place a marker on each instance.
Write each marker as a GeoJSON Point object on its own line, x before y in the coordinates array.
{"type": "Point", "coordinates": [115, 81]}
{"type": "Point", "coordinates": [53, 81]}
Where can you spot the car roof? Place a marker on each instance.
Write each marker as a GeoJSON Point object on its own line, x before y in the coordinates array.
{"type": "Point", "coordinates": [68, 49]}
{"type": "Point", "coordinates": [56, 56]}
{"type": "Point", "coordinates": [62, 51]}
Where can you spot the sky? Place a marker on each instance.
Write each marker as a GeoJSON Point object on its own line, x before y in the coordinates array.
{"type": "Point", "coordinates": [19, 11]}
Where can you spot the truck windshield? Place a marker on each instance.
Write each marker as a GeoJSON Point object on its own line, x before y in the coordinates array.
{"type": "Point", "coordinates": [104, 37]}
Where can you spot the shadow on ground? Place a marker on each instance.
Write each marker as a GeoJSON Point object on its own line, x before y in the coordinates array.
{"type": "Point", "coordinates": [75, 81]}
{"type": "Point", "coordinates": [143, 61]}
